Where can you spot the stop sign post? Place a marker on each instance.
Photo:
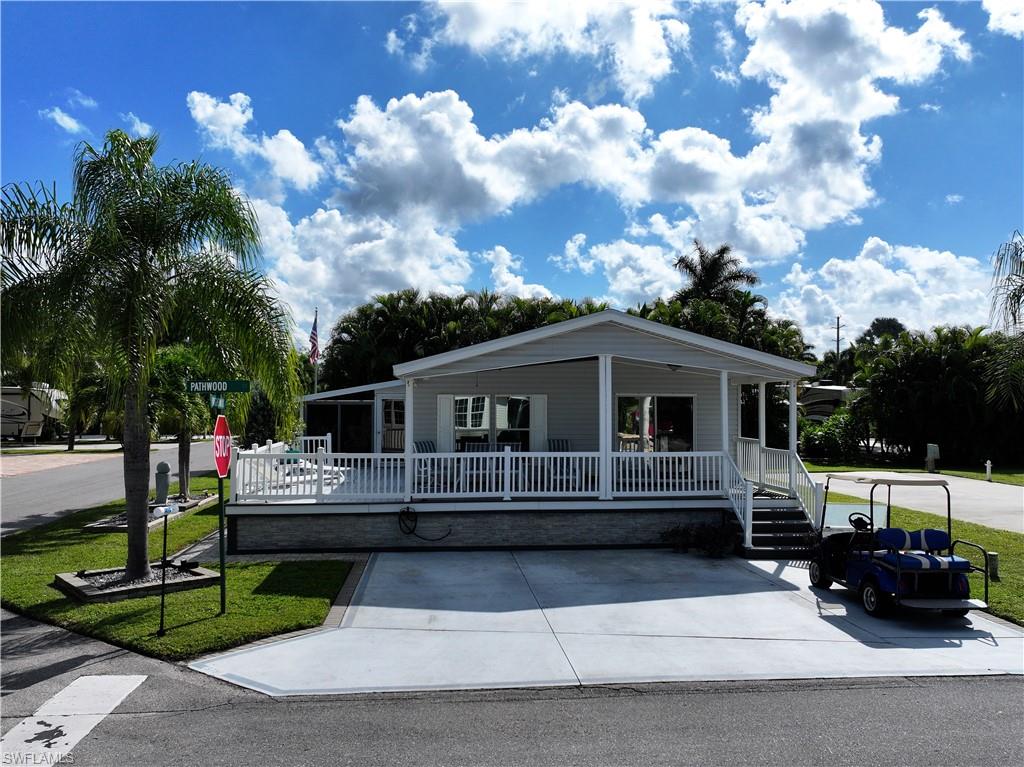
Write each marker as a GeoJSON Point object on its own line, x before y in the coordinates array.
{"type": "Point", "coordinates": [222, 459]}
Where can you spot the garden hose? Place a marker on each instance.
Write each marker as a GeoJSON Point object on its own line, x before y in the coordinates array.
{"type": "Point", "coordinates": [407, 521]}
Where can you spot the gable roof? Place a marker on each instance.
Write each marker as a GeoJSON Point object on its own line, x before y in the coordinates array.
{"type": "Point", "coordinates": [684, 337]}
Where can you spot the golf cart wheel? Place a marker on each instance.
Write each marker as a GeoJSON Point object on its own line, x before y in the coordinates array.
{"type": "Point", "coordinates": [875, 603]}
{"type": "Point", "coordinates": [960, 613]}
{"type": "Point", "coordinates": [817, 572]}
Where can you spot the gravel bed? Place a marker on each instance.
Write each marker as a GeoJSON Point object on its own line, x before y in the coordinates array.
{"type": "Point", "coordinates": [117, 579]}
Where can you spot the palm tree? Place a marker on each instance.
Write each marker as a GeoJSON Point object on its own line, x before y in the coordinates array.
{"type": "Point", "coordinates": [713, 275]}
{"type": "Point", "coordinates": [137, 250]}
{"type": "Point", "coordinates": [1008, 283]}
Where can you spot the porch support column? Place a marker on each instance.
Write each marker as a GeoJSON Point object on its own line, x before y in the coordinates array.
{"type": "Point", "coordinates": [762, 437]}
{"type": "Point", "coordinates": [409, 468]}
{"type": "Point", "coordinates": [723, 390]}
{"type": "Point", "coordinates": [604, 421]}
{"type": "Point", "coordinates": [792, 436]}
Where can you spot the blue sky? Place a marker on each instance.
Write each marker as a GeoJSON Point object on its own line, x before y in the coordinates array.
{"type": "Point", "coordinates": [866, 159]}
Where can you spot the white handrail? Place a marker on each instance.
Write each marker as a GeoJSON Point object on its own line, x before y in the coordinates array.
{"type": "Point", "coordinates": [808, 492]}
{"type": "Point", "coordinates": [740, 492]}
{"type": "Point", "coordinates": [782, 471]}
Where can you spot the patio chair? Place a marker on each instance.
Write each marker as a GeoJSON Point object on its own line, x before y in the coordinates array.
{"type": "Point", "coordinates": [563, 474]}
{"type": "Point", "coordinates": [436, 476]}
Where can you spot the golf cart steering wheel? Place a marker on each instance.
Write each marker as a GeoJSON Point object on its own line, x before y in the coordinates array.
{"type": "Point", "coordinates": [859, 521]}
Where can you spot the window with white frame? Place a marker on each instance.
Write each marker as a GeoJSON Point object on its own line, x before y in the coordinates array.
{"type": "Point", "coordinates": [491, 420]}
{"type": "Point", "coordinates": [471, 419]}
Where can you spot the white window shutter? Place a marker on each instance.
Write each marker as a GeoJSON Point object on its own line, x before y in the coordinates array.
{"type": "Point", "coordinates": [445, 423]}
{"type": "Point", "coordinates": [538, 422]}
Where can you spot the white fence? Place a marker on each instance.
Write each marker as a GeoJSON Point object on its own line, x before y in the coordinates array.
{"type": "Point", "coordinates": [318, 476]}
{"type": "Point", "coordinates": [271, 474]}
{"type": "Point", "coordinates": [666, 474]}
{"type": "Point", "coordinates": [506, 475]}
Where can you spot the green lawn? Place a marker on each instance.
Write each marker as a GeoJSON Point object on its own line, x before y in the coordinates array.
{"type": "Point", "coordinates": [264, 598]}
{"type": "Point", "coordinates": [1010, 475]}
{"type": "Point", "coordinates": [1006, 596]}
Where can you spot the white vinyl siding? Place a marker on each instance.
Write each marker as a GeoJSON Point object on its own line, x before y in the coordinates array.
{"type": "Point", "coordinates": [570, 404]}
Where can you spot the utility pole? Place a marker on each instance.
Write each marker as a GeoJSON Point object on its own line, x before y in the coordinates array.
{"type": "Point", "coordinates": [838, 327]}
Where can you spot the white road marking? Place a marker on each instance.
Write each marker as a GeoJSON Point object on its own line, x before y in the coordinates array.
{"type": "Point", "coordinates": [62, 721]}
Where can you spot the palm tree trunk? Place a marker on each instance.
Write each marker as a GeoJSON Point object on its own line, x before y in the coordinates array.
{"type": "Point", "coordinates": [184, 457]}
{"type": "Point", "coordinates": [71, 435]}
{"type": "Point", "coordinates": [136, 481]}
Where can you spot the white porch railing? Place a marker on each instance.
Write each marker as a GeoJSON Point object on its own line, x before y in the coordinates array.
{"type": "Point", "coordinates": [781, 471]}
{"type": "Point", "coordinates": [318, 476]}
{"type": "Point", "coordinates": [666, 474]}
{"type": "Point", "coordinates": [313, 444]}
{"type": "Point", "coordinates": [506, 475]}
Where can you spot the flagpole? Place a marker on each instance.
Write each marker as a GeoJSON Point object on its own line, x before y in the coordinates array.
{"type": "Point", "coordinates": [316, 365]}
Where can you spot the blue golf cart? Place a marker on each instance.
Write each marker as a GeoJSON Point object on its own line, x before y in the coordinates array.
{"type": "Point", "coordinates": [889, 566]}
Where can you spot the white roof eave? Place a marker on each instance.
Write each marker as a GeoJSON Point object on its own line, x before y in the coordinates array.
{"type": "Point", "coordinates": [774, 363]}
{"type": "Point", "coordinates": [352, 390]}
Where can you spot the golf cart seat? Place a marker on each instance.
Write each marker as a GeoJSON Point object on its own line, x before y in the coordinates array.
{"type": "Point", "coordinates": [916, 550]}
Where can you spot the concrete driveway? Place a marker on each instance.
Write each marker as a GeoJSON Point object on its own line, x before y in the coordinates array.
{"type": "Point", "coordinates": [995, 504]}
{"type": "Point", "coordinates": [463, 620]}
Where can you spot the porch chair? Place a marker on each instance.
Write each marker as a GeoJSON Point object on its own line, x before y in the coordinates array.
{"type": "Point", "coordinates": [433, 476]}
{"type": "Point", "coordinates": [564, 474]}
{"type": "Point", "coordinates": [485, 474]}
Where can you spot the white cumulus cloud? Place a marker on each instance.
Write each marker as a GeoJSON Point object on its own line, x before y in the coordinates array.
{"type": "Point", "coordinates": [78, 99]}
{"type": "Point", "coordinates": [135, 125]}
{"type": "Point", "coordinates": [504, 268]}
{"type": "Point", "coordinates": [63, 120]}
{"type": "Point", "coordinates": [337, 261]}
{"type": "Point", "coordinates": [919, 286]}
{"type": "Point", "coordinates": [635, 40]}
{"type": "Point", "coordinates": [1006, 16]}
{"type": "Point", "coordinates": [223, 125]}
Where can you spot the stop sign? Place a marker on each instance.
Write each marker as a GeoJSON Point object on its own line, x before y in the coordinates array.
{"type": "Point", "coordinates": [222, 446]}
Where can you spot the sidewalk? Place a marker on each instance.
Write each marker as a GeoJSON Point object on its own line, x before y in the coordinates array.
{"type": "Point", "coordinates": [986, 503]}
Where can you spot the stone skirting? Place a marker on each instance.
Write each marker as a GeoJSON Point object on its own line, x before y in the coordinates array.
{"type": "Point", "coordinates": [268, 532]}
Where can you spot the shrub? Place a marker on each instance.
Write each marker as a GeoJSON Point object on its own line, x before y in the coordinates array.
{"type": "Point", "coordinates": [834, 440]}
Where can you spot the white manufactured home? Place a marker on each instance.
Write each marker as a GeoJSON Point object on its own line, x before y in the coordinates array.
{"type": "Point", "coordinates": [602, 430]}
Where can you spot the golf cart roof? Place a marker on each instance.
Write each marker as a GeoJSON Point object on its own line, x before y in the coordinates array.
{"type": "Point", "coordinates": [867, 479]}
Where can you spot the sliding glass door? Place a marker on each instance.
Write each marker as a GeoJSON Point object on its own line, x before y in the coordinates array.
{"type": "Point", "coordinates": [654, 423]}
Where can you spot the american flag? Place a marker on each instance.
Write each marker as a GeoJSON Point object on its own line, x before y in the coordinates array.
{"type": "Point", "coordinates": [314, 342]}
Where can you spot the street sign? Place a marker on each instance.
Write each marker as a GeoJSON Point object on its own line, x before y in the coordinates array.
{"type": "Point", "coordinates": [217, 401]}
{"type": "Point", "coordinates": [217, 387]}
{"type": "Point", "coordinates": [222, 459]}
{"type": "Point", "coordinates": [222, 446]}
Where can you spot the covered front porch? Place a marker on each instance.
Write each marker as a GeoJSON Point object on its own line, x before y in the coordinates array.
{"type": "Point", "coordinates": [609, 416]}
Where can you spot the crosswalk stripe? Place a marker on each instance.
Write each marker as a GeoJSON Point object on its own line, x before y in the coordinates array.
{"type": "Point", "coordinates": [61, 722]}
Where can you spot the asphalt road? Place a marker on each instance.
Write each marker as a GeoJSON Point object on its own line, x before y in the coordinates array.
{"type": "Point", "coordinates": [180, 717]}
{"type": "Point", "coordinates": [987, 503]}
{"type": "Point", "coordinates": [29, 499]}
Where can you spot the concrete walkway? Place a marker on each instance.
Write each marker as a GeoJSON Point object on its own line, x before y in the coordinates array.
{"type": "Point", "coordinates": [988, 503]}
{"type": "Point", "coordinates": [466, 620]}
